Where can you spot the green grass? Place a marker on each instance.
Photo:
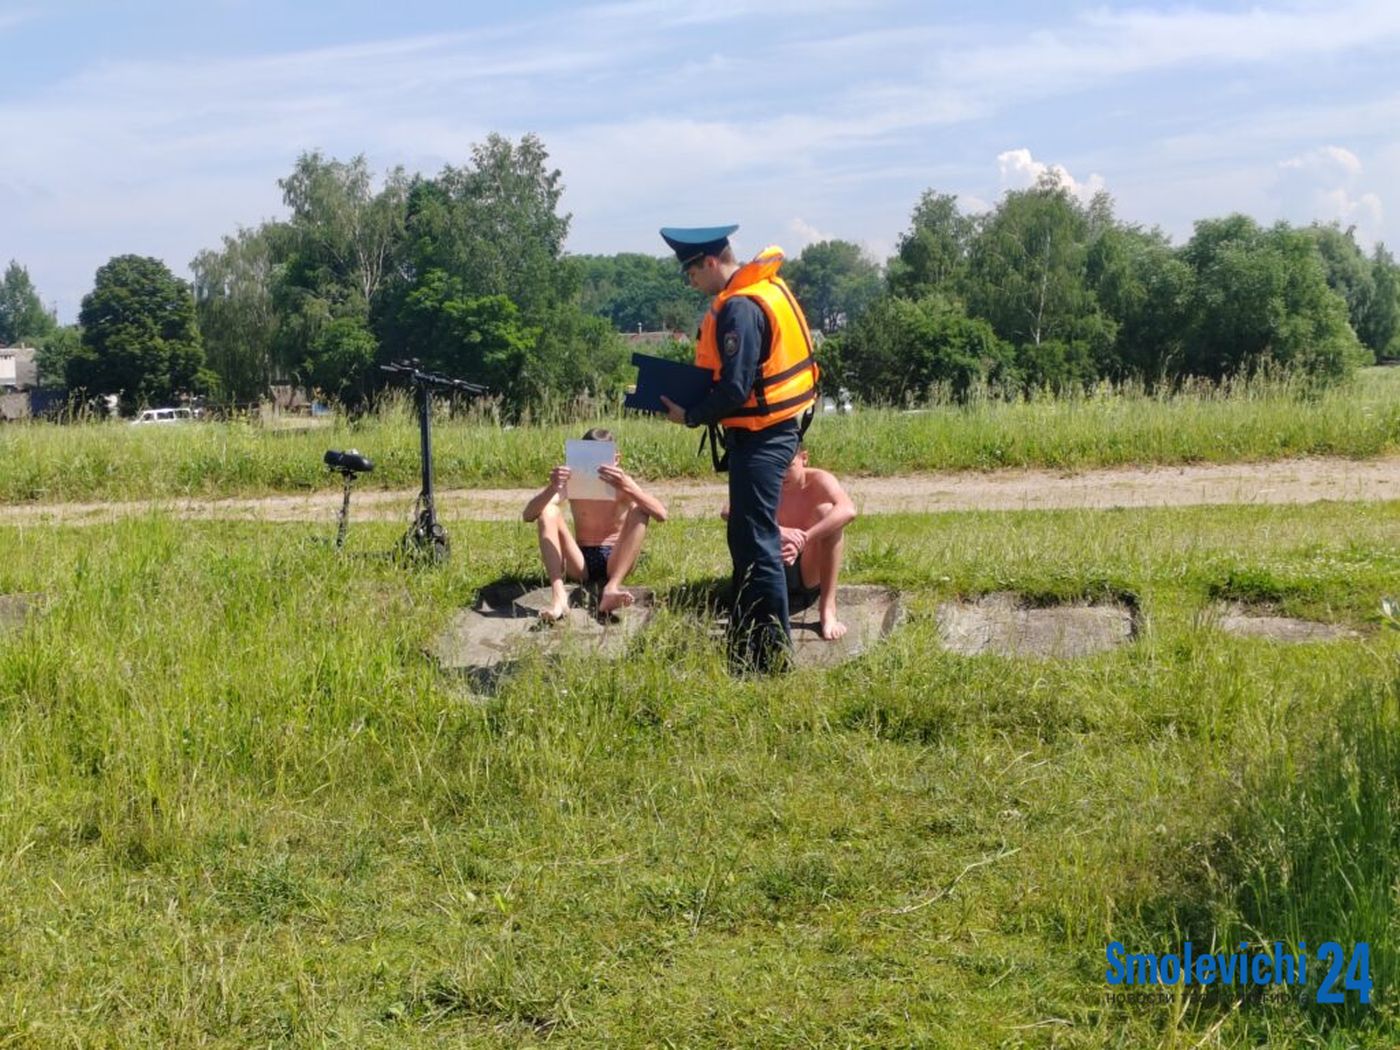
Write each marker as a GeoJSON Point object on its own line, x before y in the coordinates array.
{"type": "Point", "coordinates": [243, 808]}
{"type": "Point", "coordinates": [1241, 422]}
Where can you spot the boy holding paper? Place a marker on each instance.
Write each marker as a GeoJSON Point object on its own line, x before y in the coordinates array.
{"type": "Point", "coordinates": [607, 534]}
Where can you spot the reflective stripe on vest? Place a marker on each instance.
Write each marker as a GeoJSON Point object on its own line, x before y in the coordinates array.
{"type": "Point", "coordinates": [787, 378]}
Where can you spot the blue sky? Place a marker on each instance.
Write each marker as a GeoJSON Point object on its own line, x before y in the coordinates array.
{"type": "Point", "coordinates": [157, 127]}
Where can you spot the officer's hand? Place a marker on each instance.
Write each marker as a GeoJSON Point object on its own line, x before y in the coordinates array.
{"type": "Point", "coordinates": [724, 512]}
{"type": "Point", "coordinates": [559, 478]}
{"type": "Point", "coordinates": [674, 412]}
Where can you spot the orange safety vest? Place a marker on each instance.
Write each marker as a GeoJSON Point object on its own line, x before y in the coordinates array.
{"type": "Point", "coordinates": [787, 379]}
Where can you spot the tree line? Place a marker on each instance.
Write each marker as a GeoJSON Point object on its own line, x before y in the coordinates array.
{"type": "Point", "coordinates": [466, 271]}
{"type": "Point", "coordinates": [1046, 291]}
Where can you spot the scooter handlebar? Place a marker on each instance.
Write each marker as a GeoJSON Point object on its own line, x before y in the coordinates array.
{"type": "Point", "coordinates": [414, 374]}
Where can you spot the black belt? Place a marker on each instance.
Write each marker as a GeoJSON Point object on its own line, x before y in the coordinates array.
{"type": "Point", "coordinates": [718, 437]}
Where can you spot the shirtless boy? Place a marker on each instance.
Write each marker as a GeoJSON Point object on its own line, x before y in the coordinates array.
{"type": "Point", "coordinates": [813, 512]}
{"type": "Point", "coordinates": [609, 534]}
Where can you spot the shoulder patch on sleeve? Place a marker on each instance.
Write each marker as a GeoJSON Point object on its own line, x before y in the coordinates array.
{"type": "Point", "coordinates": [731, 344]}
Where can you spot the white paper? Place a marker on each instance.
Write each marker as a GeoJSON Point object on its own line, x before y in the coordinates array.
{"type": "Point", "coordinates": [583, 458]}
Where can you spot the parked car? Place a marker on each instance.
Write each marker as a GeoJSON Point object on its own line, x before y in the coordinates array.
{"type": "Point", "coordinates": [842, 402]}
{"type": "Point", "coordinates": [165, 415]}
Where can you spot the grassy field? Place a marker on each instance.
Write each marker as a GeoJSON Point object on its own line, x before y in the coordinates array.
{"type": "Point", "coordinates": [243, 808]}
{"type": "Point", "coordinates": [1241, 422]}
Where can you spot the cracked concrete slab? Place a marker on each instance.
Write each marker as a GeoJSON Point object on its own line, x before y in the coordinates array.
{"type": "Point", "coordinates": [1253, 622]}
{"type": "Point", "coordinates": [503, 627]}
{"type": "Point", "coordinates": [1004, 624]}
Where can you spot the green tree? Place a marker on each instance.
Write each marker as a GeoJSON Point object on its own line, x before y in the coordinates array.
{"type": "Point", "coordinates": [1349, 273]}
{"type": "Point", "coordinates": [1261, 297]}
{"type": "Point", "coordinates": [1056, 364]}
{"type": "Point", "coordinates": [364, 273]}
{"type": "Point", "coordinates": [637, 292]}
{"type": "Point", "coordinates": [485, 280]}
{"type": "Point", "coordinates": [338, 270]}
{"type": "Point", "coordinates": [22, 315]}
{"type": "Point", "coordinates": [900, 349]}
{"type": "Point", "coordinates": [347, 237]}
{"type": "Point", "coordinates": [235, 291]}
{"type": "Point", "coordinates": [1026, 268]}
{"type": "Point", "coordinates": [53, 354]}
{"type": "Point", "coordinates": [483, 338]}
{"type": "Point", "coordinates": [576, 353]}
{"type": "Point", "coordinates": [140, 337]}
{"type": "Point", "coordinates": [339, 358]}
{"type": "Point", "coordinates": [494, 225]}
{"type": "Point", "coordinates": [1381, 328]}
{"type": "Point", "coordinates": [834, 282]}
{"type": "Point", "coordinates": [1145, 288]}
{"type": "Point", "coordinates": [932, 255]}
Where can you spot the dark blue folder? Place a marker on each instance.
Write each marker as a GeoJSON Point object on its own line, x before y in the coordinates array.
{"type": "Point", "coordinates": [684, 384]}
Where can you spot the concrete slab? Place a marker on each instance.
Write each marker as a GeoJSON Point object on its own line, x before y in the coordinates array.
{"type": "Point", "coordinates": [503, 627]}
{"type": "Point", "coordinates": [869, 613]}
{"type": "Point", "coordinates": [15, 609]}
{"type": "Point", "coordinates": [1004, 624]}
{"type": "Point", "coordinates": [1248, 622]}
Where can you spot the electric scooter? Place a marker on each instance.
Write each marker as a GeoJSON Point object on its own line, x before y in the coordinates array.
{"type": "Point", "coordinates": [426, 538]}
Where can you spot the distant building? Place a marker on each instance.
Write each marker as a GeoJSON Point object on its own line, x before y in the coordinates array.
{"type": "Point", "coordinates": [19, 374]}
{"type": "Point", "coordinates": [18, 369]}
{"type": "Point", "coordinates": [661, 338]}
{"type": "Point", "coordinates": [288, 397]}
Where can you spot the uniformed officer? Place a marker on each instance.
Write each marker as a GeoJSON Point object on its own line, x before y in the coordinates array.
{"type": "Point", "coordinates": [755, 340]}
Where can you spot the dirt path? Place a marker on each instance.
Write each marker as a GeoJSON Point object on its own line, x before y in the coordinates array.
{"type": "Point", "coordinates": [1289, 481]}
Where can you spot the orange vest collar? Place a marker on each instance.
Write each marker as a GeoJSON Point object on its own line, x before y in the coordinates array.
{"type": "Point", "coordinates": [761, 267]}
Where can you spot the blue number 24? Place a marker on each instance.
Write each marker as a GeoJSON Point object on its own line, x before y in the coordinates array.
{"type": "Point", "coordinates": [1358, 977]}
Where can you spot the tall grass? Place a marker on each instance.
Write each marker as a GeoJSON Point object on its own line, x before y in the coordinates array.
{"type": "Point", "coordinates": [1317, 846]}
{"type": "Point", "coordinates": [242, 807]}
{"type": "Point", "coordinates": [1255, 419]}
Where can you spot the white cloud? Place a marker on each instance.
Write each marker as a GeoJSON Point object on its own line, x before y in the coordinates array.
{"type": "Point", "coordinates": [1019, 171]}
{"type": "Point", "coordinates": [804, 233]}
{"type": "Point", "coordinates": [1228, 162]}
{"type": "Point", "coordinates": [1103, 45]}
{"type": "Point", "coordinates": [1327, 184]}
{"type": "Point", "coordinates": [1253, 34]}
{"type": "Point", "coordinates": [1328, 160]}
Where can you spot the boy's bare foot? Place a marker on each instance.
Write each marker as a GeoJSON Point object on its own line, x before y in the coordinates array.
{"type": "Point", "coordinates": [613, 600]}
{"type": "Point", "coordinates": [832, 628]}
{"type": "Point", "coordinates": [557, 610]}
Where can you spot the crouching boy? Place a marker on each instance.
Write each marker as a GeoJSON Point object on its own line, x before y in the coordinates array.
{"type": "Point", "coordinates": [813, 512]}
{"type": "Point", "coordinates": [606, 538]}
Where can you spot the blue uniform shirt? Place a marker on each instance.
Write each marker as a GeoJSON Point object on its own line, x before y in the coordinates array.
{"type": "Point", "coordinates": [744, 339]}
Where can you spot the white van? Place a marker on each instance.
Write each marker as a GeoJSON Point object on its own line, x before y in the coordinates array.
{"type": "Point", "coordinates": [165, 415]}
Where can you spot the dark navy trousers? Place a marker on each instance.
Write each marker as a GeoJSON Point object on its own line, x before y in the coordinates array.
{"type": "Point", "coordinates": [760, 637]}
